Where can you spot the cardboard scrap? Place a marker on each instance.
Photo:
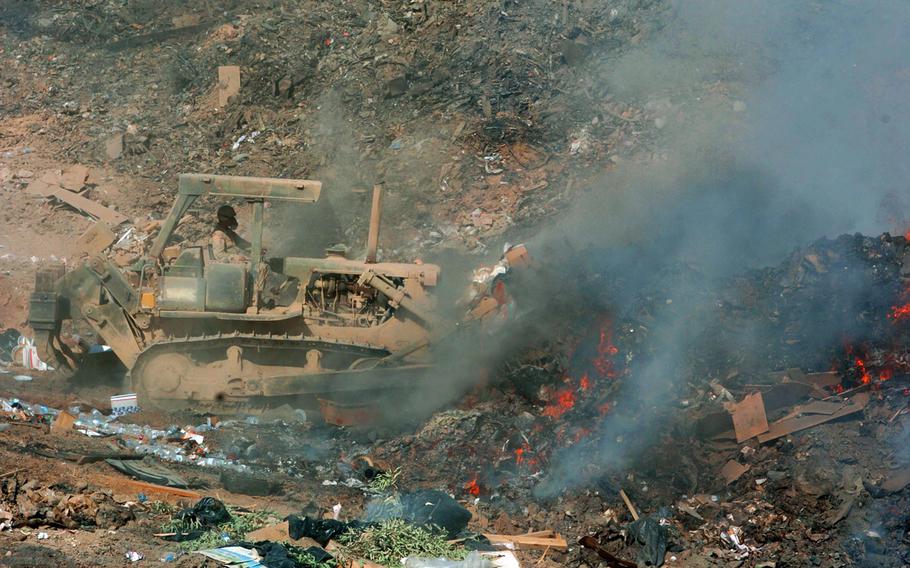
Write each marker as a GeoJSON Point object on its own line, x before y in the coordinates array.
{"type": "Point", "coordinates": [96, 239]}
{"type": "Point", "coordinates": [733, 470]}
{"type": "Point", "coordinates": [749, 418]}
{"type": "Point", "coordinates": [788, 425]}
{"type": "Point", "coordinates": [63, 423]}
{"type": "Point", "coordinates": [228, 83]}
{"type": "Point", "coordinates": [113, 146]}
{"type": "Point", "coordinates": [73, 178]}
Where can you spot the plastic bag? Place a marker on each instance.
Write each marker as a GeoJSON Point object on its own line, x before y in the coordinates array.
{"type": "Point", "coordinates": [473, 560]}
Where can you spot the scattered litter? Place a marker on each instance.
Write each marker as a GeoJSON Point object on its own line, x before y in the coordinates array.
{"type": "Point", "coordinates": [22, 378]}
{"type": "Point", "coordinates": [26, 354]}
{"type": "Point", "coordinates": [122, 404]}
{"type": "Point", "coordinates": [134, 556]}
{"type": "Point", "coordinates": [732, 471]}
{"type": "Point", "coordinates": [233, 556]}
{"type": "Point", "coordinates": [43, 536]}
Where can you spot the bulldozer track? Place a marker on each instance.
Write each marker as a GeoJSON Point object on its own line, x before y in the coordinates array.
{"type": "Point", "coordinates": [270, 343]}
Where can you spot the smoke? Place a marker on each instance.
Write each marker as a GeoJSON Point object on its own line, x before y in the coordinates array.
{"type": "Point", "coordinates": [781, 123]}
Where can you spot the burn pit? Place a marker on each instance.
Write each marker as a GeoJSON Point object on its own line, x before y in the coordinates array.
{"type": "Point", "coordinates": [574, 420]}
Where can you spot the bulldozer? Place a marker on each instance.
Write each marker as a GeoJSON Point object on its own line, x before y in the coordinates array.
{"type": "Point", "coordinates": [196, 332]}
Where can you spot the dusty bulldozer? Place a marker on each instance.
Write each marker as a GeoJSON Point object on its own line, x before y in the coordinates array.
{"type": "Point", "coordinates": [194, 331]}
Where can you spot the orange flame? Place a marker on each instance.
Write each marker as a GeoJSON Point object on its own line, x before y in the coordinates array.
{"type": "Point", "coordinates": [472, 487]}
{"type": "Point", "coordinates": [565, 401]}
{"type": "Point", "coordinates": [585, 383]}
{"type": "Point", "coordinates": [861, 365]}
{"type": "Point", "coordinates": [899, 313]}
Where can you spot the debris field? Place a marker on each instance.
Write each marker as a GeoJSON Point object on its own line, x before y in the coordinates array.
{"type": "Point", "coordinates": [571, 382]}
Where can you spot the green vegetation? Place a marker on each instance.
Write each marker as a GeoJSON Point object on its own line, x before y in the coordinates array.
{"type": "Point", "coordinates": [308, 560]}
{"type": "Point", "coordinates": [237, 528]}
{"type": "Point", "coordinates": [385, 481]}
{"type": "Point", "coordinates": [390, 541]}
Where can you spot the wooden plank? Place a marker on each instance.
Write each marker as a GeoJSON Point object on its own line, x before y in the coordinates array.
{"type": "Point", "coordinates": [228, 83]}
{"type": "Point", "coordinates": [96, 210]}
{"type": "Point", "coordinates": [524, 542]}
{"type": "Point", "coordinates": [817, 407]}
{"type": "Point", "coordinates": [787, 426]}
{"type": "Point", "coordinates": [628, 502]}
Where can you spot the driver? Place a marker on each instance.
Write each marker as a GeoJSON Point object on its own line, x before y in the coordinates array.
{"type": "Point", "coordinates": [226, 244]}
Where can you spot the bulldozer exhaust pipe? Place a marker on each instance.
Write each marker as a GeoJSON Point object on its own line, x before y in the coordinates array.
{"type": "Point", "coordinates": [375, 218]}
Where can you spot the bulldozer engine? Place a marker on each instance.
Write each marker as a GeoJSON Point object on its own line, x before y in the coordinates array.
{"type": "Point", "coordinates": [195, 331]}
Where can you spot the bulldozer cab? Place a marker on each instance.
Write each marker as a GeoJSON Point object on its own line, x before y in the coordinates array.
{"type": "Point", "coordinates": [196, 281]}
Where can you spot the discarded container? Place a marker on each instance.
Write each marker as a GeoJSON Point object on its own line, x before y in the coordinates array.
{"type": "Point", "coordinates": [26, 354]}
{"type": "Point", "coordinates": [124, 404]}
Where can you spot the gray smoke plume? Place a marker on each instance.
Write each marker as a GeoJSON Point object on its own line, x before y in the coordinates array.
{"type": "Point", "coordinates": [782, 123]}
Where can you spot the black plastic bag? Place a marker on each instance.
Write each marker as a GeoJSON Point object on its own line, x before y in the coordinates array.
{"type": "Point", "coordinates": [428, 508]}
{"type": "Point", "coordinates": [652, 536]}
{"type": "Point", "coordinates": [208, 512]}
{"type": "Point", "coordinates": [320, 530]}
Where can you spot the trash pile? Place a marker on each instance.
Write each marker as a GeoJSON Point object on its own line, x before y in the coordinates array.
{"type": "Point", "coordinates": [423, 529]}
{"type": "Point", "coordinates": [474, 137]}
{"type": "Point", "coordinates": [34, 504]}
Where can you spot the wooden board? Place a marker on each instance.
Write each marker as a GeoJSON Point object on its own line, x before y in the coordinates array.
{"type": "Point", "coordinates": [525, 542]}
{"type": "Point", "coordinates": [749, 419]}
{"type": "Point", "coordinates": [228, 83]}
{"type": "Point", "coordinates": [787, 426]}
{"type": "Point", "coordinates": [92, 208]}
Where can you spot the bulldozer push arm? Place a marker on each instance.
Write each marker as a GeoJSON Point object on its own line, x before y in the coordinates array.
{"type": "Point", "coordinates": [96, 292]}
